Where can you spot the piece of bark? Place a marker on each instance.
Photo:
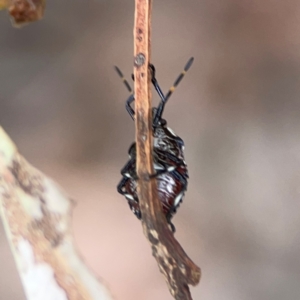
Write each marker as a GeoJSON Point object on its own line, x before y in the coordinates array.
{"type": "Point", "coordinates": [178, 269]}
{"type": "Point", "coordinates": [36, 215]}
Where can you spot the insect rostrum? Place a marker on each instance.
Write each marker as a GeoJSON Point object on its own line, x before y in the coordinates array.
{"type": "Point", "coordinates": [170, 168]}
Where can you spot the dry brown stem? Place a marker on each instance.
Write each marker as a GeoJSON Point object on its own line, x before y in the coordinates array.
{"type": "Point", "coordinates": [177, 267]}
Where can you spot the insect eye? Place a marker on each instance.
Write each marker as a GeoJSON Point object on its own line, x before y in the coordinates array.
{"type": "Point", "coordinates": [163, 122]}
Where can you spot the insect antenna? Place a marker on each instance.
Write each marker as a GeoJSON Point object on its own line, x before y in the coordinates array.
{"type": "Point", "coordinates": [130, 99]}
{"type": "Point", "coordinates": [179, 78]}
{"type": "Point", "coordinates": [123, 79]}
{"type": "Point", "coordinates": [164, 99]}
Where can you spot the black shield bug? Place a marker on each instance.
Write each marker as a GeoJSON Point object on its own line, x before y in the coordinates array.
{"type": "Point", "coordinates": [169, 165]}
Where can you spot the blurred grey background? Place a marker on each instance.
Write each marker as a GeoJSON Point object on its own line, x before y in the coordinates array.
{"type": "Point", "coordinates": [238, 110]}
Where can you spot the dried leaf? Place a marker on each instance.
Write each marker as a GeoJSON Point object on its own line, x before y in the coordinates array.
{"type": "Point", "coordinates": [23, 12]}
{"type": "Point", "coordinates": [36, 215]}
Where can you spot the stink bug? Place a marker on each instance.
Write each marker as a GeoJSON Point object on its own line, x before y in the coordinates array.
{"type": "Point", "coordinates": [169, 165]}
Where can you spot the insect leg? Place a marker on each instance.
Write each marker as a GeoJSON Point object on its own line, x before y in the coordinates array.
{"type": "Point", "coordinates": [178, 199]}
{"type": "Point", "coordinates": [132, 201]}
{"type": "Point", "coordinates": [128, 170]}
{"type": "Point", "coordinates": [121, 185]}
{"type": "Point", "coordinates": [171, 225]}
{"type": "Point", "coordinates": [129, 109]}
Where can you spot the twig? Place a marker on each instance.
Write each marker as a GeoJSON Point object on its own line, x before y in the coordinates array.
{"type": "Point", "coordinates": [177, 267]}
{"type": "Point", "coordinates": [36, 215]}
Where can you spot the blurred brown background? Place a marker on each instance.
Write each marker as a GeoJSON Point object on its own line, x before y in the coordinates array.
{"type": "Point", "coordinates": [238, 110]}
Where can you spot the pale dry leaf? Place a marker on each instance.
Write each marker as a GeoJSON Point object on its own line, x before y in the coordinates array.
{"type": "Point", "coordinates": [36, 215]}
{"type": "Point", "coordinates": [23, 12]}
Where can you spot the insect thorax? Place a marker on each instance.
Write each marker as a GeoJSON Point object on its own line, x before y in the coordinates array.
{"type": "Point", "coordinates": [166, 141]}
